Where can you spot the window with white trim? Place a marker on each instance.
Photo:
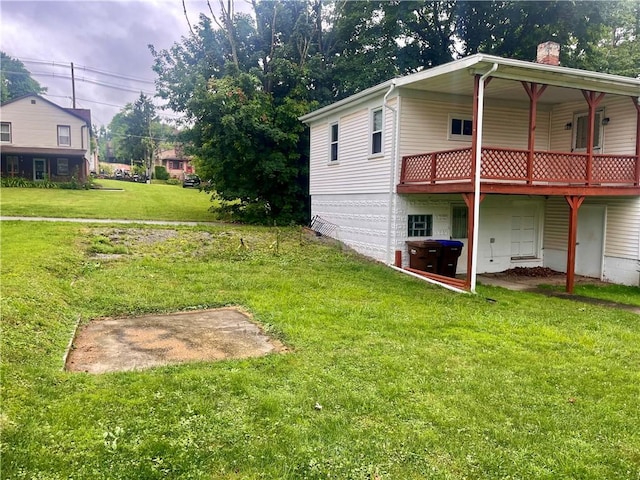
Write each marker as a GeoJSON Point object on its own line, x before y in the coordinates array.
{"type": "Point", "coordinates": [333, 155]}
{"type": "Point", "coordinates": [420, 225]}
{"type": "Point", "coordinates": [64, 135]}
{"type": "Point", "coordinates": [5, 132]}
{"type": "Point", "coordinates": [460, 127]}
{"type": "Point", "coordinates": [376, 131]}
{"type": "Point", "coordinates": [581, 129]}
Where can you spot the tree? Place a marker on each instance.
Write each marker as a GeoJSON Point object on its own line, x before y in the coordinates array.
{"type": "Point", "coordinates": [15, 79]}
{"type": "Point", "coordinates": [134, 131]}
{"type": "Point", "coordinates": [243, 103]}
{"type": "Point", "coordinates": [617, 49]}
{"type": "Point", "coordinates": [249, 143]}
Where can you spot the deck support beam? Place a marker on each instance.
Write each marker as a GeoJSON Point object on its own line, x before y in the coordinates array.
{"type": "Point", "coordinates": [593, 101]}
{"type": "Point", "coordinates": [574, 204]}
{"type": "Point", "coordinates": [469, 200]}
{"type": "Point", "coordinates": [534, 94]}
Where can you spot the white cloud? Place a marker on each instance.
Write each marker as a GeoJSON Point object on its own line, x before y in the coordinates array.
{"type": "Point", "coordinates": [110, 36]}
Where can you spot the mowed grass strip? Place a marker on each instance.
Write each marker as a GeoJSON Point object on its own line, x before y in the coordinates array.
{"type": "Point", "coordinates": [117, 200]}
{"type": "Point", "coordinates": [414, 381]}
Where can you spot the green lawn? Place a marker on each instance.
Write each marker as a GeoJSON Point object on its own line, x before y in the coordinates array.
{"type": "Point", "coordinates": [613, 293]}
{"type": "Point", "coordinates": [118, 200]}
{"type": "Point", "coordinates": [415, 381]}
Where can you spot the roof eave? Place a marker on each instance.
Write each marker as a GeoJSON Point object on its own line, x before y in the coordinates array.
{"type": "Point", "coordinates": [349, 101]}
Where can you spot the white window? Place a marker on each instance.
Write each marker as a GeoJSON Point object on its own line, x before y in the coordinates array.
{"type": "Point", "coordinates": [333, 156]}
{"type": "Point", "coordinates": [63, 166]}
{"type": "Point", "coordinates": [581, 129]}
{"type": "Point", "coordinates": [460, 127]}
{"type": "Point", "coordinates": [64, 135]}
{"type": "Point", "coordinates": [376, 131]}
{"type": "Point", "coordinates": [5, 132]}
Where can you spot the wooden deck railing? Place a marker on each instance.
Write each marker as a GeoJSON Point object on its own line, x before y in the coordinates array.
{"type": "Point", "coordinates": [519, 167]}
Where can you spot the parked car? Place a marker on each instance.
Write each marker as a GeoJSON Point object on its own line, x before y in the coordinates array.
{"type": "Point", "coordinates": [191, 180]}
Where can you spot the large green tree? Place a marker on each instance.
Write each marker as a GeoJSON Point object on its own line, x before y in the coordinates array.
{"type": "Point", "coordinates": [242, 90]}
{"type": "Point", "coordinates": [15, 79]}
{"type": "Point", "coordinates": [135, 131]}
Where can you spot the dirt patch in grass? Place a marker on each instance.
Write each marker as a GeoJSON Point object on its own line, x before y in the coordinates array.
{"type": "Point", "coordinates": [535, 276]}
{"type": "Point", "coordinates": [120, 344]}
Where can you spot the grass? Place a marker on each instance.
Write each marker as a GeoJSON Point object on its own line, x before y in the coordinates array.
{"type": "Point", "coordinates": [136, 201]}
{"type": "Point", "coordinates": [614, 293]}
{"type": "Point", "coordinates": [414, 381]}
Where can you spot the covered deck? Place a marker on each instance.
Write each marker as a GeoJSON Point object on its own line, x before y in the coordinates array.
{"type": "Point", "coordinates": [482, 169]}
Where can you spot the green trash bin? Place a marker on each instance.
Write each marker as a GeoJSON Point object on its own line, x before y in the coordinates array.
{"type": "Point", "coordinates": [424, 255]}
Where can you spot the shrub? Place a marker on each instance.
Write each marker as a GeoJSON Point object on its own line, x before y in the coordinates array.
{"type": "Point", "coordinates": [14, 182]}
{"type": "Point", "coordinates": [173, 181]}
{"type": "Point", "coordinates": [161, 173]}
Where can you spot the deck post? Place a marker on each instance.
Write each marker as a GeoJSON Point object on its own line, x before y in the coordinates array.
{"type": "Point", "coordinates": [534, 94]}
{"type": "Point", "coordinates": [593, 103]}
{"type": "Point", "coordinates": [469, 200]}
{"type": "Point", "coordinates": [574, 204]}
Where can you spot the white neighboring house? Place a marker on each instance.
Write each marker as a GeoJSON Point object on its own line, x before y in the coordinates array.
{"type": "Point", "coordinates": [40, 140]}
{"type": "Point", "coordinates": [528, 164]}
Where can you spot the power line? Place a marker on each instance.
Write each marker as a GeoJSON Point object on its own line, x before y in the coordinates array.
{"type": "Point", "coordinates": [83, 79]}
{"type": "Point", "coordinates": [89, 69]}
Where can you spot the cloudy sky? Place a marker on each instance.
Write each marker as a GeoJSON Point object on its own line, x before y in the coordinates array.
{"type": "Point", "coordinates": [106, 41]}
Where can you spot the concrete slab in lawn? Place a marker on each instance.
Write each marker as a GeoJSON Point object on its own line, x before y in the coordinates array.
{"type": "Point", "coordinates": [133, 343]}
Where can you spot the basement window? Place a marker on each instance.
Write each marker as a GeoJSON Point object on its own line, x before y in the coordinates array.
{"type": "Point", "coordinates": [420, 225]}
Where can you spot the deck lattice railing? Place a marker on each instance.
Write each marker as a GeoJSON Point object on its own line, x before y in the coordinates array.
{"type": "Point", "coordinates": [521, 167]}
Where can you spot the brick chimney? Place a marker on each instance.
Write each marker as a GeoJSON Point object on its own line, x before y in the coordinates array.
{"type": "Point", "coordinates": [549, 53]}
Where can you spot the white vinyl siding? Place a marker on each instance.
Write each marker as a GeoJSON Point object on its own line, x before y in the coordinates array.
{"type": "Point", "coordinates": [424, 126]}
{"type": "Point", "coordinates": [35, 125]}
{"type": "Point", "coordinates": [356, 172]}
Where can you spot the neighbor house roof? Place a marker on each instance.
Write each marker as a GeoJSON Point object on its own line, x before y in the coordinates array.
{"type": "Point", "coordinates": [453, 78]}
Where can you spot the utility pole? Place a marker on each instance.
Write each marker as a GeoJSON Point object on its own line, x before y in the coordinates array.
{"type": "Point", "coordinates": [73, 86]}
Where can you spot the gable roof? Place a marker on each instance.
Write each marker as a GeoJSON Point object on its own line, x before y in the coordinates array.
{"type": "Point", "coordinates": [454, 78]}
{"type": "Point", "coordinates": [81, 113]}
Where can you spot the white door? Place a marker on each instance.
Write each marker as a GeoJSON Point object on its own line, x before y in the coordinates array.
{"type": "Point", "coordinates": [590, 241]}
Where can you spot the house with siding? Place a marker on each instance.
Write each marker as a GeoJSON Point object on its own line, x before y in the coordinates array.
{"type": "Point", "coordinates": [40, 140]}
{"type": "Point", "coordinates": [528, 164]}
{"type": "Point", "coordinates": [175, 162]}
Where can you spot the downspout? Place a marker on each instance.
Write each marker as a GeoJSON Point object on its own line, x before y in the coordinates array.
{"type": "Point", "coordinates": [393, 166]}
{"type": "Point", "coordinates": [476, 187]}
{"type": "Point", "coordinates": [85, 163]}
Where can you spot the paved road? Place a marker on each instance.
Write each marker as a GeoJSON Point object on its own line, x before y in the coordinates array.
{"type": "Point", "coordinates": [104, 220]}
